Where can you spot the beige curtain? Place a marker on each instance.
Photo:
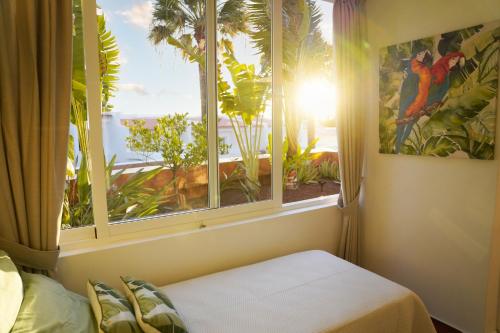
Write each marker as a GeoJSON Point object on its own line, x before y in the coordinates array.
{"type": "Point", "coordinates": [35, 88]}
{"type": "Point", "coordinates": [348, 57]}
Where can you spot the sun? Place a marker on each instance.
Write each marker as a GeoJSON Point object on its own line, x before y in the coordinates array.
{"type": "Point", "coordinates": [317, 97]}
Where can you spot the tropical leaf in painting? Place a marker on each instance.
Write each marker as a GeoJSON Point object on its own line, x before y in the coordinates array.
{"type": "Point", "coordinates": [437, 145]}
{"type": "Point", "coordinates": [387, 131]}
{"type": "Point", "coordinates": [452, 41]}
{"type": "Point", "coordinates": [460, 109]}
{"type": "Point", "coordinates": [488, 67]}
{"type": "Point", "coordinates": [474, 149]}
{"type": "Point", "coordinates": [486, 119]}
{"type": "Point", "coordinates": [481, 51]}
{"type": "Point", "coordinates": [441, 146]}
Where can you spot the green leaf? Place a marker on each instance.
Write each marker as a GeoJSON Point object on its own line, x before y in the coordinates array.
{"type": "Point", "coordinates": [439, 146]}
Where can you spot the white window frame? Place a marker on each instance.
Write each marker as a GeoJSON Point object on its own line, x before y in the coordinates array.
{"type": "Point", "coordinates": [104, 232]}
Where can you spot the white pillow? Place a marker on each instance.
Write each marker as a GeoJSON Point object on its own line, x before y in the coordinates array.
{"type": "Point", "coordinates": [11, 292]}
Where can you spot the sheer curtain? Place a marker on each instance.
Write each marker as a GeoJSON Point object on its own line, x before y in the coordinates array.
{"type": "Point", "coordinates": [348, 59]}
{"type": "Point", "coordinates": [35, 88]}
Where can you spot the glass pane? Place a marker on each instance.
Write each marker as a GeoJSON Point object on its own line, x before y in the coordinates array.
{"type": "Point", "coordinates": [77, 207]}
{"type": "Point", "coordinates": [310, 166]}
{"type": "Point", "coordinates": [153, 75]}
{"type": "Point", "coordinates": [244, 100]}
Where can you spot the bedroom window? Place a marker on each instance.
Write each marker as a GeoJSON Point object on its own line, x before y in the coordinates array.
{"type": "Point", "coordinates": [154, 107]}
{"type": "Point", "coordinates": [244, 89]}
{"type": "Point", "coordinates": [178, 112]}
{"type": "Point", "coordinates": [310, 166]}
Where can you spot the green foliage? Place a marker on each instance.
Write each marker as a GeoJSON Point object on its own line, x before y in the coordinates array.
{"type": "Point", "coordinates": [307, 173]}
{"type": "Point", "coordinates": [237, 180]}
{"type": "Point", "coordinates": [132, 198]}
{"type": "Point", "coordinates": [78, 52]}
{"type": "Point", "coordinates": [244, 104]}
{"type": "Point", "coordinates": [77, 205]}
{"type": "Point", "coordinates": [200, 143]}
{"type": "Point", "coordinates": [299, 162]}
{"type": "Point", "coordinates": [166, 138]}
{"type": "Point", "coordinates": [177, 18]}
{"type": "Point", "coordinates": [108, 62]}
{"type": "Point", "coordinates": [329, 170]}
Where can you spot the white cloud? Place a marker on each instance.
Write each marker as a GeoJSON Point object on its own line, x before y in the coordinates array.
{"type": "Point", "coordinates": [122, 60]}
{"type": "Point", "coordinates": [133, 87]}
{"type": "Point", "coordinates": [139, 15]}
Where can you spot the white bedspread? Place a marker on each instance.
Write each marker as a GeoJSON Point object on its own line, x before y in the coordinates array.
{"type": "Point", "coordinates": [305, 292]}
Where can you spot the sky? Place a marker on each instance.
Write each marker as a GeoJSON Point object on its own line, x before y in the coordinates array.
{"type": "Point", "coordinates": [155, 80]}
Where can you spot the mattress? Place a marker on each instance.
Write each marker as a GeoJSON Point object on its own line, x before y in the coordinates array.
{"type": "Point", "coordinates": [306, 292]}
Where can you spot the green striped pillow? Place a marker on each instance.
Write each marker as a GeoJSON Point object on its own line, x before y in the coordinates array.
{"type": "Point", "coordinates": [154, 311]}
{"type": "Point", "coordinates": [113, 312]}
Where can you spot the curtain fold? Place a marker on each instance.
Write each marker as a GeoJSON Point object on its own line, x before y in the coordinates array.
{"type": "Point", "coordinates": [35, 89]}
{"type": "Point", "coordinates": [349, 62]}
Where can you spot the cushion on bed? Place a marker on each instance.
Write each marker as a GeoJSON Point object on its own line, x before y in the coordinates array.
{"type": "Point", "coordinates": [112, 311]}
{"type": "Point", "coordinates": [11, 292]}
{"type": "Point", "coordinates": [154, 310]}
{"type": "Point", "coordinates": [48, 307]}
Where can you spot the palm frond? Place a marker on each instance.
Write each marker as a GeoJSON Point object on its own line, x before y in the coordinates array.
{"type": "Point", "coordinates": [108, 60]}
{"type": "Point", "coordinates": [232, 17]}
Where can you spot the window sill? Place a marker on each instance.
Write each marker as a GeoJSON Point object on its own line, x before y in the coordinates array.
{"type": "Point", "coordinates": [82, 240]}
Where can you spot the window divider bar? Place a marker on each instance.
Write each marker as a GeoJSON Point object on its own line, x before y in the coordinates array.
{"type": "Point", "coordinates": [97, 161]}
{"type": "Point", "coordinates": [277, 102]}
{"type": "Point", "coordinates": [213, 157]}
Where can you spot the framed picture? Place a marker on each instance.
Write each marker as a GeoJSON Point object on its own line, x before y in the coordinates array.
{"type": "Point", "coordinates": [438, 95]}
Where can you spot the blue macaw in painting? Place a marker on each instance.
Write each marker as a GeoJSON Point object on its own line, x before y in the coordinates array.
{"type": "Point", "coordinates": [413, 94]}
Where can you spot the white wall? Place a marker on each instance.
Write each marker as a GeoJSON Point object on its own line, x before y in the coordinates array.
{"type": "Point", "coordinates": [179, 257]}
{"type": "Point", "coordinates": [427, 222]}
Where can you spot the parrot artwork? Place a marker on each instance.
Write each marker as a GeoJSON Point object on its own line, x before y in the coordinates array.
{"type": "Point", "coordinates": [423, 90]}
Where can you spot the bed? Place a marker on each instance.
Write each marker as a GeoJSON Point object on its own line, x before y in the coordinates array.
{"type": "Point", "coordinates": [305, 292]}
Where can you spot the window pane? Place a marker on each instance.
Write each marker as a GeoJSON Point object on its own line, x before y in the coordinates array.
{"type": "Point", "coordinates": [244, 100]}
{"type": "Point", "coordinates": [77, 208]}
{"type": "Point", "coordinates": [153, 75]}
{"type": "Point", "coordinates": [310, 168]}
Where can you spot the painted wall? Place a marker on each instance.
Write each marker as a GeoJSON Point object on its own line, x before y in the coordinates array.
{"type": "Point", "coordinates": [427, 222]}
{"type": "Point", "coordinates": [178, 257]}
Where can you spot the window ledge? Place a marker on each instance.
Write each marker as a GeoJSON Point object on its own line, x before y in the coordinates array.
{"type": "Point", "coordinates": [71, 245]}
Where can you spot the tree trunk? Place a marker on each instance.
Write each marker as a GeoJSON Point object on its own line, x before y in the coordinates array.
{"type": "Point", "coordinates": [311, 129]}
{"type": "Point", "coordinates": [203, 90]}
{"type": "Point", "coordinates": [292, 121]}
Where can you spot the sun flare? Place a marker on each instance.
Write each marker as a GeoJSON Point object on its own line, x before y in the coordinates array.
{"type": "Point", "coordinates": [317, 97]}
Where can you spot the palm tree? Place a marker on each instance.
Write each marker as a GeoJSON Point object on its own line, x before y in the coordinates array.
{"type": "Point", "coordinates": [304, 51]}
{"type": "Point", "coordinates": [182, 24]}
